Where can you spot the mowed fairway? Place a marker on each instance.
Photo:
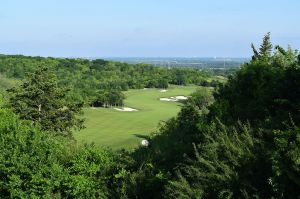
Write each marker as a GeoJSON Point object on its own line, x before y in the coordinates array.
{"type": "Point", "coordinates": [111, 128]}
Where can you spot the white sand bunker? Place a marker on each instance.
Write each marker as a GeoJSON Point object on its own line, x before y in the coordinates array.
{"type": "Point", "coordinates": [168, 99]}
{"type": "Point", "coordinates": [174, 99]}
{"type": "Point", "coordinates": [163, 91]}
{"type": "Point", "coordinates": [181, 97]}
{"type": "Point", "coordinates": [126, 109]}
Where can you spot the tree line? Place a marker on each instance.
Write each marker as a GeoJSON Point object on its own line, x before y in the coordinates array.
{"type": "Point", "coordinates": [91, 80]}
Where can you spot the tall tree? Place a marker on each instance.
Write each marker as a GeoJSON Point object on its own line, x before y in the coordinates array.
{"type": "Point", "coordinates": [255, 55]}
{"type": "Point", "coordinates": [265, 49]}
{"type": "Point", "coordinates": [40, 100]}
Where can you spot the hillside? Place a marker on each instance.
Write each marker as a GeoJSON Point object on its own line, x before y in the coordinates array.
{"type": "Point", "coordinates": [242, 142]}
{"type": "Point", "coordinates": [86, 78]}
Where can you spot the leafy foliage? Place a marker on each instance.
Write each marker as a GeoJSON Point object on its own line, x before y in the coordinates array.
{"type": "Point", "coordinates": [262, 92]}
{"type": "Point", "coordinates": [30, 161]}
{"type": "Point", "coordinates": [34, 164]}
{"type": "Point", "coordinates": [109, 98]}
{"type": "Point", "coordinates": [245, 144]}
{"type": "Point", "coordinates": [86, 79]}
{"type": "Point", "coordinates": [40, 100]}
{"type": "Point", "coordinates": [245, 147]}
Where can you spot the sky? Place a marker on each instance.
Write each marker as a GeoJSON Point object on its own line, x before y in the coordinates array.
{"type": "Point", "coordinates": [145, 28]}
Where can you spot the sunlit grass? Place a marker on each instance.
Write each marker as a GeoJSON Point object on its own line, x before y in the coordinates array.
{"type": "Point", "coordinates": [115, 129]}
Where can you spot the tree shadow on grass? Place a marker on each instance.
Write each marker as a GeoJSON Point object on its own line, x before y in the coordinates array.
{"type": "Point", "coordinates": [141, 136]}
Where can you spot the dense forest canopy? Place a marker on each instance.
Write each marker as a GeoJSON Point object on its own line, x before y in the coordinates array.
{"type": "Point", "coordinates": [244, 143]}
{"type": "Point", "coordinates": [89, 80]}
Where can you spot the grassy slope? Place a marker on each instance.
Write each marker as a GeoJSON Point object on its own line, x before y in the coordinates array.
{"type": "Point", "coordinates": [6, 83]}
{"type": "Point", "coordinates": [108, 127]}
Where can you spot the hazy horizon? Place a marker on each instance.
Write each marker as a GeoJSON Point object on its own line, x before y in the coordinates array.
{"type": "Point", "coordinates": [145, 29]}
{"type": "Point", "coordinates": [126, 57]}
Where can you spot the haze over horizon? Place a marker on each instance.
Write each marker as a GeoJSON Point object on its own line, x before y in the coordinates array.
{"type": "Point", "coordinates": [145, 29]}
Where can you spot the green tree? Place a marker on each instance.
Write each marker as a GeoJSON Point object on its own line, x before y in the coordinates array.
{"type": "Point", "coordinates": [30, 161]}
{"type": "Point", "coordinates": [162, 83]}
{"type": "Point", "coordinates": [201, 98]}
{"type": "Point", "coordinates": [35, 164]}
{"type": "Point", "coordinates": [265, 49]}
{"type": "Point", "coordinates": [40, 100]}
{"type": "Point", "coordinates": [264, 92]}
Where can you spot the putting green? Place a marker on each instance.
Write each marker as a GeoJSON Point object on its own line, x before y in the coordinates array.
{"type": "Point", "coordinates": [116, 129]}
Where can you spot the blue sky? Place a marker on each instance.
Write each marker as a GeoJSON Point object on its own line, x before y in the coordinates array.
{"type": "Point", "coordinates": [145, 28]}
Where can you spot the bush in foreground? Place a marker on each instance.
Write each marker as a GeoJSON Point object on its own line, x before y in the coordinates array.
{"type": "Point", "coordinates": [35, 164]}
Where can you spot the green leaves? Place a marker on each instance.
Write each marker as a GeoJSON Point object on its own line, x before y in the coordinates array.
{"type": "Point", "coordinates": [264, 92]}
{"type": "Point", "coordinates": [40, 100]}
{"type": "Point", "coordinates": [85, 77]}
{"type": "Point", "coordinates": [215, 170]}
{"type": "Point", "coordinates": [29, 159]}
{"type": "Point", "coordinates": [265, 50]}
{"type": "Point", "coordinates": [34, 164]}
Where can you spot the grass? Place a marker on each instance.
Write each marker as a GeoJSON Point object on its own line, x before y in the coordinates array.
{"type": "Point", "coordinates": [111, 128]}
{"type": "Point", "coordinates": [6, 83]}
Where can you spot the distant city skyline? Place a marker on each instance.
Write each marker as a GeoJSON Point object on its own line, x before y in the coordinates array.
{"type": "Point", "coordinates": [134, 28]}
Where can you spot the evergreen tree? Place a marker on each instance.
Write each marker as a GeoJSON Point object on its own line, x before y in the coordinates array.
{"type": "Point", "coordinates": [266, 48]}
{"type": "Point", "coordinates": [40, 100]}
